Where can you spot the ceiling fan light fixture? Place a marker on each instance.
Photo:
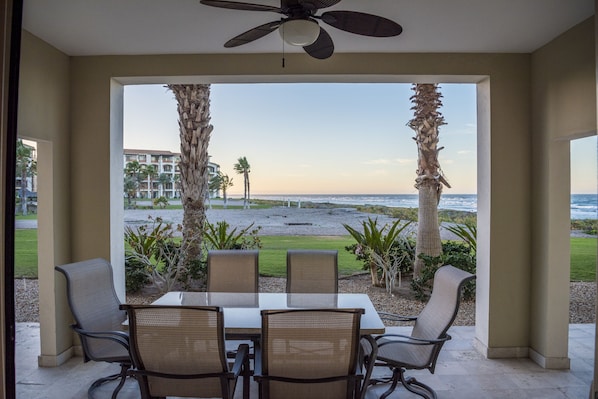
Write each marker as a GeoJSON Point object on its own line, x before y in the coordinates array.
{"type": "Point", "coordinates": [299, 32]}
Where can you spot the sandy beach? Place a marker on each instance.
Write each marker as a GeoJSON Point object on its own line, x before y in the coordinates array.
{"type": "Point", "coordinates": [277, 220]}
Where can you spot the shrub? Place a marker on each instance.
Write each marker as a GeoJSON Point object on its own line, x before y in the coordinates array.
{"type": "Point", "coordinates": [161, 202]}
{"type": "Point", "coordinates": [468, 233]}
{"type": "Point", "coordinates": [154, 247]}
{"type": "Point", "coordinates": [382, 248]}
{"type": "Point", "coordinates": [136, 277]}
{"type": "Point", "coordinates": [219, 237]}
{"type": "Point", "coordinates": [454, 253]}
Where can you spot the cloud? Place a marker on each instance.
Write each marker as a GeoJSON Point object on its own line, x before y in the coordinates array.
{"type": "Point", "coordinates": [464, 152]}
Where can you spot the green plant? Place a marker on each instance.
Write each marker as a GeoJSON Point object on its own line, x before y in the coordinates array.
{"type": "Point", "coordinates": [453, 253]}
{"type": "Point", "coordinates": [467, 232]}
{"type": "Point", "coordinates": [588, 226]}
{"type": "Point", "coordinates": [219, 237]}
{"type": "Point", "coordinates": [154, 246]}
{"type": "Point", "coordinates": [161, 202]}
{"type": "Point", "coordinates": [374, 245]}
{"type": "Point", "coordinates": [136, 277]}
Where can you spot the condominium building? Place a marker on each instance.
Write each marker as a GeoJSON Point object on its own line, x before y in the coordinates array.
{"type": "Point", "coordinates": [165, 182]}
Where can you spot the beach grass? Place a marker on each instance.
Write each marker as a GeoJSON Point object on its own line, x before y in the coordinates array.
{"type": "Point", "coordinates": [583, 259]}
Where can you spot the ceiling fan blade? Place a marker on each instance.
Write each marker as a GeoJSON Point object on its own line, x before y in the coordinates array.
{"type": "Point", "coordinates": [362, 23]}
{"type": "Point", "coordinates": [234, 5]}
{"type": "Point", "coordinates": [252, 34]}
{"type": "Point", "coordinates": [322, 48]}
{"type": "Point", "coordinates": [317, 4]}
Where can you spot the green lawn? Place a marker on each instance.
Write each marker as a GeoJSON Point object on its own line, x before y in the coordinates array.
{"type": "Point", "coordinates": [26, 253]}
{"type": "Point", "coordinates": [583, 259]}
{"type": "Point", "coordinates": [273, 254]}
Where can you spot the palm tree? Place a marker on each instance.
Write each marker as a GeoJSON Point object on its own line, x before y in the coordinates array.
{"type": "Point", "coordinates": [242, 167]}
{"type": "Point", "coordinates": [150, 172]}
{"type": "Point", "coordinates": [163, 180]}
{"type": "Point", "coordinates": [222, 182]}
{"type": "Point", "coordinates": [130, 187]}
{"type": "Point", "coordinates": [193, 106]}
{"type": "Point", "coordinates": [134, 171]}
{"type": "Point", "coordinates": [25, 167]}
{"type": "Point", "coordinates": [430, 179]}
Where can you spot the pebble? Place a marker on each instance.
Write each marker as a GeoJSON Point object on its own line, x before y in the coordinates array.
{"type": "Point", "coordinates": [581, 307]}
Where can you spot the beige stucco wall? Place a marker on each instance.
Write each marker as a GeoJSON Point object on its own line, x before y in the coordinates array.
{"type": "Point", "coordinates": [507, 216]}
{"type": "Point", "coordinates": [564, 108]}
{"type": "Point", "coordinates": [504, 181]}
{"type": "Point", "coordinates": [44, 117]}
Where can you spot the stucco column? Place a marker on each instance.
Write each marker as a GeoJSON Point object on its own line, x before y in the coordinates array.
{"type": "Point", "coordinates": [502, 295]}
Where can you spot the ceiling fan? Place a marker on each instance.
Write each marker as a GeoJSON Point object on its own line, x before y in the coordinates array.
{"type": "Point", "coordinates": [299, 25]}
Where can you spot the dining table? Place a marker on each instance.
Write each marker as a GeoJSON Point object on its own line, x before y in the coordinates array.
{"type": "Point", "coordinates": [242, 317]}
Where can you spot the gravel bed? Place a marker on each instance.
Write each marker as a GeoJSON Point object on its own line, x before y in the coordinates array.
{"type": "Point", "coordinates": [582, 304]}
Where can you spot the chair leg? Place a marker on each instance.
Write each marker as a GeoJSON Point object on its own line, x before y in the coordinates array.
{"type": "Point", "coordinates": [124, 368]}
{"type": "Point", "coordinates": [418, 388]}
{"type": "Point", "coordinates": [393, 386]}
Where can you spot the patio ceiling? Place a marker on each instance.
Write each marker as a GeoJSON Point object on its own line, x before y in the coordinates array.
{"type": "Point", "coordinates": [101, 27]}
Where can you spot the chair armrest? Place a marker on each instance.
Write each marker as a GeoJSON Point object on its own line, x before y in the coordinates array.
{"type": "Point", "coordinates": [406, 339]}
{"type": "Point", "coordinates": [396, 317]}
{"type": "Point", "coordinates": [119, 337]}
{"type": "Point", "coordinates": [257, 364]}
{"type": "Point", "coordinates": [240, 359]}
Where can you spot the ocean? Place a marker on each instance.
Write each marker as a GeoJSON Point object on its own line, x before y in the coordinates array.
{"type": "Point", "coordinates": [583, 206]}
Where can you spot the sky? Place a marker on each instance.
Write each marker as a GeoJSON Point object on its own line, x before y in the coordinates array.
{"type": "Point", "coordinates": [326, 138]}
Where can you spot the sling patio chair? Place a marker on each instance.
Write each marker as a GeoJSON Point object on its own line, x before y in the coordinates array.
{"type": "Point", "coordinates": [311, 353]}
{"type": "Point", "coordinates": [233, 270]}
{"type": "Point", "coordinates": [179, 351]}
{"type": "Point", "coordinates": [312, 271]}
{"type": "Point", "coordinates": [420, 350]}
{"type": "Point", "coordinates": [98, 319]}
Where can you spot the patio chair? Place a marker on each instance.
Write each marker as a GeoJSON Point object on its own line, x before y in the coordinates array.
{"type": "Point", "coordinates": [233, 270]}
{"type": "Point", "coordinates": [98, 319]}
{"type": "Point", "coordinates": [179, 351]}
{"type": "Point", "coordinates": [312, 271]}
{"type": "Point", "coordinates": [311, 353]}
{"type": "Point", "coordinates": [420, 350]}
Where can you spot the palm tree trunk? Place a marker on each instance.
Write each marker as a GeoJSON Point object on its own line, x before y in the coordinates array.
{"type": "Point", "coordinates": [428, 231]}
{"type": "Point", "coordinates": [430, 179]}
{"type": "Point", "coordinates": [194, 128]}
{"type": "Point", "coordinates": [24, 191]}
{"type": "Point", "coordinates": [246, 205]}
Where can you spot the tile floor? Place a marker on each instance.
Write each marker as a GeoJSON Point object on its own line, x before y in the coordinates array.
{"type": "Point", "coordinates": [461, 372]}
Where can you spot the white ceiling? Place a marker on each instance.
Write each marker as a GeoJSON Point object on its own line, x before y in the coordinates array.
{"type": "Point", "coordinates": [100, 27]}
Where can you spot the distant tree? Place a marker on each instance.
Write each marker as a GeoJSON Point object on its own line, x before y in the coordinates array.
{"type": "Point", "coordinates": [134, 171]}
{"type": "Point", "coordinates": [430, 179]}
{"type": "Point", "coordinates": [242, 167]}
{"type": "Point", "coordinates": [193, 106]}
{"type": "Point", "coordinates": [163, 180]}
{"type": "Point", "coordinates": [130, 187]}
{"type": "Point", "coordinates": [222, 182]}
{"type": "Point", "coordinates": [150, 172]}
{"type": "Point", "coordinates": [26, 167]}
{"type": "Point", "coordinates": [177, 185]}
